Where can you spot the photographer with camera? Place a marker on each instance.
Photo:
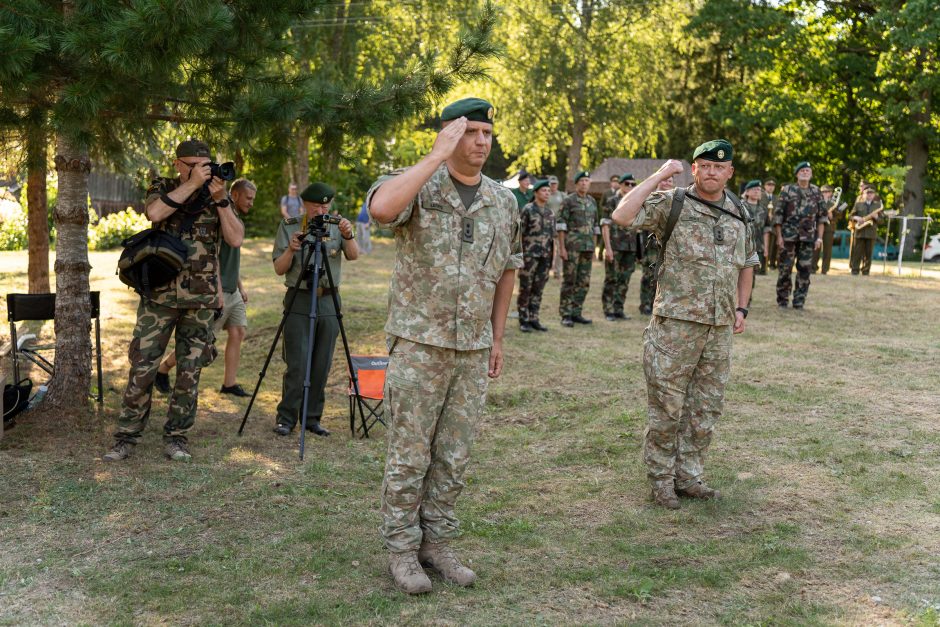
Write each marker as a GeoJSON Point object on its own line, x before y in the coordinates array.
{"type": "Point", "coordinates": [194, 208]}
{"type": "Point", "coordinates": [288, 256]}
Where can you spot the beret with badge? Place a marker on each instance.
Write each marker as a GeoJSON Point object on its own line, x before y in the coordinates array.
{"type": "Point", "coordinates": [715, 150]}
{"type": "Point", "coordinates": [582, 174]}
{"type": "Point", "coordinates": [800, 166]}
{"type": "Point", "coordinates": [752, 184]}
{"type": "Point", "coordinates": [539, 185]}
{"type": "Point", "coordinates": [318, 193]}
{"type": "Point", "coordinates": [627, 177]}
{"type": "Point", "coordinates": [474, 109]}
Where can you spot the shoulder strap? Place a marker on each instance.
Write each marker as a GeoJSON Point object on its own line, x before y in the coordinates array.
{"type": "Point", "coordinates": [678, 199]}
{"type": "Point", "coordinates": [745, 212]}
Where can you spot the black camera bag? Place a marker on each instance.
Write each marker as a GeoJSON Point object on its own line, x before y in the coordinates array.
{"type": "Point", "coordinates": [15, 400]}
{"type": "Point", "coordinates": [153, 258]}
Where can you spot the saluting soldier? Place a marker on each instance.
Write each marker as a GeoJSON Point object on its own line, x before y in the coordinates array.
{"type": "Point", "coordinates": [707, 261]}
{"type": "Point", "coordinates": [799, 219]}
{"type": "Point", "coordinates": [577, 226]}
{"type": "Point", "coordinates": [866, 208]}
{"type": "Point", "coordinates": [458, 248]}
{"type": "Point", "coordinates": [194, 207]}
{"type": "Point", "coordinates": [538, 247]}
{"type": "Point", "coordinates": [288, 256]}
{"type": "Point", "coordinates": [619, 255]}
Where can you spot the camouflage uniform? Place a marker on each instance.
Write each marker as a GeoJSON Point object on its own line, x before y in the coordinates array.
{"type": "Point", "coordinates": [578, 220]}
{"type": "Point", "coordinates": [687, 345]}
{"type": "Point", "coordinates": [863, 244]}
{"type": "Point", "coordinates": [187, 305]}
{"type": "Point", "coordinates": [617, 272]}
{"type": "Point", "coordinates": [798, 212]}
{"type": "Point", "coordinates": [538, 247]}
{"type": "Point", "coordinates": [650, 253]}
{"type": "Point", "coordinates": [760, 224]}
{"type": "Point", "coordinates": [296, 342]}
{"type": "Point", "coordinates": [449, 260]}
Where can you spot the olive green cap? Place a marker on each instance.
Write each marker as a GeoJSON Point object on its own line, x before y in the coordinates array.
{"type": "Point", "coordinates": [580, 175]}
{"type": "Point", "coordinates": [474, 109]}
{"type": "Point", "coordinates": [752, 184]}
{"type": "Point", "coordinates": [627, 177]}
{"type": "Point", "coordinates": [800, 166]}
{"type": "Point", "coordinates": [715, 150]}
{"type": "Point", "coordinates": [193, 148]}
{"type": "Point", "coordinates": [539, 185]}
{"type": "Point", "coordinates": [318, 192]}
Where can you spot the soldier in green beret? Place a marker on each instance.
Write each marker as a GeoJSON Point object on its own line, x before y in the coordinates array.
{"type": "Point", "coordinates": [458, 248]}
{"type": "Point", "coordinates": [538, 249]}
{"type": "Point", "coordinates": [799, 220]}
{"type": "Point", "coordinates": [195, 207]}
{"type": "Point", "coordinates": [578, 227]}
{"type": "Point", "coordinates": [707, 260]}
{"type": "Point", "coordinates": [761, 224]}
{"type": "Point", "coordinates": [288, 258]}
{"type": "Point", "coordinates": [619, 254]}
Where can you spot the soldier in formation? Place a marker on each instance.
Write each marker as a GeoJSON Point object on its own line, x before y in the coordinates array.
{"type": "Point", "coordinates": [865, 217]}
{"type": "Point", "coordinates": [761, 224]}
{"type": "Point", "coordinates": [445, 336]}
{"type": "Point", "coordinates": [704, 285]}
{"type": "Point", "coordinates": [799, 219]}
{"type": "Point", "coordinates": [555, 199]}
{"type": "Point", "coordinates": [194, 207]}
{"type": "Point", "coordinates": [619, 254]}
{"type": "Point", "coordinates": [835, 214]}
{"type": "Point", "coordinates": [577, 225]}
{"type": "Point", "coordinates": [538, 249]}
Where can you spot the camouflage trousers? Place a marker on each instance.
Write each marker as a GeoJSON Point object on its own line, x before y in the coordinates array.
{"type": "Point", "coordinates": [434, 398]}
{"type": "Point", "coordinates": [687, 365]}
{"type": "Point", "coordinates": [648, 283]}
{"type": "Point", "coordinates": [576, 282]}
{"type": "Point", "coordinates": [532, 280]}
{"type": "Point", "coordinates": [195, 348]}
{"type": "Point", "coordinates": [802, 254]}
{"type": "Point", "coordinates": [617, 280]}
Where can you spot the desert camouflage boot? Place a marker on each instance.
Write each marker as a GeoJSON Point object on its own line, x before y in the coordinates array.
{"type": "Point", "coordinates": [177, 451]}
{"type": "Point", "coordinates": [120, 450]}
{"type": "Point", "coordinates": [664, 495]}
{"type": "Point", "coordinates": [441, 557]}
{"type": "Point", "coordinates": [407, 572]}
{"type": "Point", "coordinates": [699, 490]}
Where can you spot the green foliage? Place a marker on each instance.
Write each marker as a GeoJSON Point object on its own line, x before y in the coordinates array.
{"type": "Point", "coordinates": [114, 228]}
{"type": "Point", "coordinates": [13, 231]}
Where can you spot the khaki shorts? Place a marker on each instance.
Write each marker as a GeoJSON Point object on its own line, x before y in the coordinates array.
{"type": "Point", "coordinates": [234, 313]}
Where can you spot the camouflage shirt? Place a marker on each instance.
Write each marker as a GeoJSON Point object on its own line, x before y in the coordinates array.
{"type": "Point", "coordinates": [863, 209]}
{"type": "Point", "coordinates": [578, 220]}
{"type": "Point", "coordinates": [197, 285]}
{"type": "Point", "coordinates": [448, 261]}
{"type": "Point", "coordinates": [761, 223]}
{"type": "Point", "coordinates": [621, 238]}
{"type": "Point", "coordinates": [798, 211]}
{"type": "Point", "coordinates": [702, 259]}
{"type": "Point", "coordinates": [538, 231]}
{"type": "Point", "coordinates": [332, 245]}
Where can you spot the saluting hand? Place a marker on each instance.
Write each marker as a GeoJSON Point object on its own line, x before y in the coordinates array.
{"type": "Point", "coordinates": [670, 168]}
{"type": "Point", "coordinates": [447, 140]}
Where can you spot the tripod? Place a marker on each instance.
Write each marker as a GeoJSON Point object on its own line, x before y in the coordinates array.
{"type": "Point", "coordinates": [313, 263]}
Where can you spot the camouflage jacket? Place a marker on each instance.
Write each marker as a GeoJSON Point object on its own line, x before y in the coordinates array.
{"type": "Point", "coordinates": [863, 209]}
{"type": "Point", "coordinates": [197, 285]}
{"type": "Point", "coordinates": [448, 261]}
{"type": "Point", "coordinates": [698, 280]}
{"type": "Point", "coordinates": [578, 220]}
{"type": "Point", "coordinates": [538, 231]}
{"type": "Point", "coordinates": [799, 211]}
{"type": "Point", "coordinates": [620, 238]}
{"type": "Point", "coordinates": [761, 223]}
{"type": "Point", "coordinates": [332, 245]}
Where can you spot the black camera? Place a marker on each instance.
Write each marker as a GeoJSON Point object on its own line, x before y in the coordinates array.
{"type": "Point", "coordinates": [224, 171]}
{"type": "Point", "coordinates": [320, 221]}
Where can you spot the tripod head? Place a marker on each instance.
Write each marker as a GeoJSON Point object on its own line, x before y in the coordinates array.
{"type": "Point", "coordinates": [317, 227]}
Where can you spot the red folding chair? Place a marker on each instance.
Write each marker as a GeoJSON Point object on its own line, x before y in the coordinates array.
{"type": "Point", "coordinates": [370, 375]}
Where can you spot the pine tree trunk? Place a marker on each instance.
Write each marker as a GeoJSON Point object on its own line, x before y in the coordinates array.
{"type": "Point", "coordinates": [69, 387]}
{"type": "Point", "coordinates": [36, 202]}
{"type": "Point", "coordinates": [574, 152]}
{"type": "Point", "coordinates": [302, 157]}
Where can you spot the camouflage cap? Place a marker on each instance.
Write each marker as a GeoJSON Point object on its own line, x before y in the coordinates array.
{"type": "Point", "coordinates": [474, 109]}
{"type": "Point", "coordinates": [582, 174]}
{"type": "Point", "coordinates": [539, 185]}
{"type": "Point", "coordinates": [193, 148]}
{"type": "Point", "coordinates": [752, 184]}
{"type": "Point", "coordinates": [627, 177]}
{"type": "Point", "coordinates": [800, 166]}
{"type": "Point", "coordinates": [715, 150]}
{"type": "Point", "coordinates": [318, 192]}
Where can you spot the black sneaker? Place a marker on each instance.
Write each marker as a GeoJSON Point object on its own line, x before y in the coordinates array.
{"type": "Point", "coordinates": [162, 382]}
{"type": "Point", "coordinates": [579, 319]}
{"type": "Point", "coordinates": [567, 322]}
{"type": "Point", "coordinates": [282, 429]}
{"type": "Point", "coordinates": [525, 327]}
{"type": "Point", "coordinates": [234, 390]}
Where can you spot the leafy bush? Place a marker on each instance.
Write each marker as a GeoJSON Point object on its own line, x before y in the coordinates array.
{"type": "Point", "coordinates": [112, 229]}
{"type": "Point", "coordinates": [13, 231]}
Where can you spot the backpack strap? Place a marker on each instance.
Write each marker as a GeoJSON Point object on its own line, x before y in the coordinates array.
{"type": "Point", "coordinates": [678, 199]}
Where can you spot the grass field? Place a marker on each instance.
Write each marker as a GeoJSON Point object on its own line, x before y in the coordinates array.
{"type": "Point", "coordinates": [828, 454]}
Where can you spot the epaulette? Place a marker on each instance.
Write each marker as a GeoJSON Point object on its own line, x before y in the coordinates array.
{"type": "Point", "coordinates": [292, 220]}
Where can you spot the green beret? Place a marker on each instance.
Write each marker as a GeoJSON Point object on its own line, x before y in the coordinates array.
{"type": "Point", "coordinates": [715, 150]}
{"type": "Point", "coordinates": [539, 185]}
{"type": "Point", "coordinates": [800, 166]}
{"type": "Point", "coordinates": [627, 177]}
{"type": "Point", "coordinates": [318, 192]}
{"type": "Point", "coordinates": [752, 184]}
{"type": "Point", "coordinates": [580, 175]}
{"type": "Point", "coordinates": [193, 148]}
{"type": "Point", "coordinates": [474, 109]}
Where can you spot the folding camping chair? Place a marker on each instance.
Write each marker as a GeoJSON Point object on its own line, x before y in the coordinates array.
{"type": "Point", "coordinates": [371, 374]}
{"type": "Point", "coordinates": [42, 307]}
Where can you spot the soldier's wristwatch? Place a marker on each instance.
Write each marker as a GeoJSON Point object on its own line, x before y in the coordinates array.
{"type": "Point", "coordinates": [743, 311]}
{"type": "Point", "coordinates": [222, 203]}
